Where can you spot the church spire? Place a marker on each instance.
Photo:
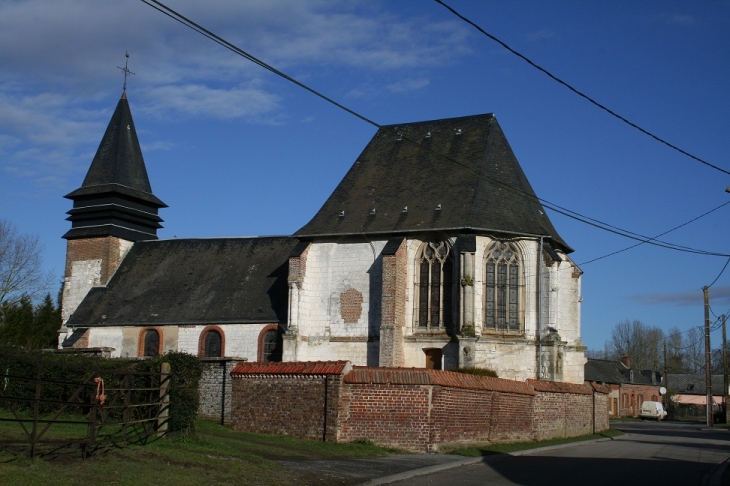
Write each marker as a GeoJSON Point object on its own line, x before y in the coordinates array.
{"type": "Point", "coordinates": [116, 198]}
{"type": "Point", "coordinates": [126, 72]}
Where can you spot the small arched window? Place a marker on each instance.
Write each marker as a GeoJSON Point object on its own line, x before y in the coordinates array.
{"type": "Point", "coordinates": [273, 345]}
{"type": "Point", "coordinates": [212, 344]}
{"type": "Point", "coordinates": [502, 291]}
{"type": "Point", "coordinates": [434, 286]}
{"type": "Point", "coordinates": [151, 343]}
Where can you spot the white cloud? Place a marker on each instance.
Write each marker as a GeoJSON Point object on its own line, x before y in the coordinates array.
{"type": "Point", "coordinates": [201, 101]}
{"type": "Point", "coordinates": [407, 85]}
{"type": "Point", "coordinates": [60, 60]}
{"type": "Point", "coordinates": [157, 145]}
{"type": "Point", "coordinates": [720, 296]}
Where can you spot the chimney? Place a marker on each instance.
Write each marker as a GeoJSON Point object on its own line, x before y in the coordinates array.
{"type": "Point", "coordinates": [626, 361]}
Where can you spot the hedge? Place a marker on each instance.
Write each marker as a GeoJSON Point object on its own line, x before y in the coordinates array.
{"type": "Point", "coordinates": [66, 372]}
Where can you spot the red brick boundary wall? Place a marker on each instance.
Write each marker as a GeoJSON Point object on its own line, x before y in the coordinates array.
{"type": "Point", "coordinates": [407, 408]}
{"type": "Point", "coordinates": [288, 398]}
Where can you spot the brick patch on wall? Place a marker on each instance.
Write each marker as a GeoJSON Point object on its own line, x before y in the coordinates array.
{"type": "Point", "coordinates": [107, 249]}
{"type": "Point", "coordinates": [351, 305]}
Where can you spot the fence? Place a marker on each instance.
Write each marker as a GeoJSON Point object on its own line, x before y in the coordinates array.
{"type": "Point", "coordinates": [48, 408]}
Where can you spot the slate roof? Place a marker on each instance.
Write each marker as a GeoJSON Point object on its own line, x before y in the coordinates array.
{"type": "Point", "coordinates": [193, 281]}
{"type": "Point", "coordinates": [604, 371]}
{"type": "Point", "coordinates": [118, 159]}
{"type": "Point", "coordinates": [116, 197]}
{"type": "Point", "coordinates": [471, 190]}
{"type": "Point", "coordinates": [609, 371]}
{"type": "Point", "coordinates": [694, 384]}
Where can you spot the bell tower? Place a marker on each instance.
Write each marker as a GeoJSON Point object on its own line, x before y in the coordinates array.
{"type": "Point", "coordinates": [113, 208]}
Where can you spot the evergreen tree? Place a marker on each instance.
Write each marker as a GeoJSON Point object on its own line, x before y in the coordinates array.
{"type": "Point", "coordinates": [46, 322]}
{"type": "Point", "coordinates": [18, 321]}
{"type": "Point", "coordinates": [24, 325]}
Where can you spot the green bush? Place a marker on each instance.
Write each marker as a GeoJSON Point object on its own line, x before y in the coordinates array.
{"type": "Point", "coordinates": [476, 371]}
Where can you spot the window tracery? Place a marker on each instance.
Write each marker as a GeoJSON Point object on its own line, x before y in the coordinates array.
{"type": "Point", "coordinates": [434, 286]}
{"type": "Point", "coordinates": [503, 288]}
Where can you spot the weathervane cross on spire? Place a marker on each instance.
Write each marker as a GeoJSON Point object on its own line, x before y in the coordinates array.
{"type": "Point", "coordinates": [126, 71]}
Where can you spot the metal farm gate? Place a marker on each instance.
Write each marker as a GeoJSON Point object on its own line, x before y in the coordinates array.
{"type": "Point", "coordinates": [44, 415]}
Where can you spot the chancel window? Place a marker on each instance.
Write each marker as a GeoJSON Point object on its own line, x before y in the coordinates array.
{"type": "Point", "coordinates": [151, 343]}
{"type": "Point", "coordinates": [503, 290]}
{"type": "Point", "coordinates": [434, 287]}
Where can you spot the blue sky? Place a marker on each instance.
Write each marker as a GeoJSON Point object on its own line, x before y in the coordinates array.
{"type": "Point", "coordinates": [236, 151]}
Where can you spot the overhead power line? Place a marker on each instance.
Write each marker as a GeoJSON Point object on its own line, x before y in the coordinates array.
{"type": "Point", "coordinates": [661, 234]}
{"type": "Point", "coordinates": [580, 93]}
{"type": "Point", "coordinates": [159, 6]}
{"type": "Point", "coordinates": [720, 274]}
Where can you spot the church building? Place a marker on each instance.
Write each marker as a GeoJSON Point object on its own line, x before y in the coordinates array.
{"type": "Point", "coordinates": [433, 251]}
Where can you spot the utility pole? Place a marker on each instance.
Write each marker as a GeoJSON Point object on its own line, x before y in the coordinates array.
{"type": "Point", "coordinates": [708, 369]}
{"type": "Point", "coordinates": [724, 369]}
{"type": "Point", "coordinates": [665, 399]}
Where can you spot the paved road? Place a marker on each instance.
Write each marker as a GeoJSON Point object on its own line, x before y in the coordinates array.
{"type": "Point", "coordinates": [649, 453]}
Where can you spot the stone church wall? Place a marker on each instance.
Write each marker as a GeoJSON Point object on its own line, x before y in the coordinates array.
{"type": "Point", "coordinates": [241, 340]}
{"type": "Point", "coordinates": [90, 262]}
{"type": "Point", "coordinates": [338, 306]}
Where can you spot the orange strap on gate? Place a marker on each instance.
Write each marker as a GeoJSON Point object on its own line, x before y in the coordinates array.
{"type": "Point", "coordinates": [100, 395]}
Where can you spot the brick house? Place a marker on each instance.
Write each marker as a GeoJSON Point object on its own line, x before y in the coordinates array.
{"type": "Point", "coordinates": [433, 251]}
{"type": "Point", "coordinates": [628, 388]}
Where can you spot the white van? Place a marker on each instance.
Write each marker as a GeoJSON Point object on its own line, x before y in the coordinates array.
{"type": "Point", "coordinates": [652, 410]}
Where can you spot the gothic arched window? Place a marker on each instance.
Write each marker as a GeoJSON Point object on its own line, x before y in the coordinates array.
{"type": "Point", "coordinates": [502, 288]}
{"type": "Point", "coordinates": [434, 272]}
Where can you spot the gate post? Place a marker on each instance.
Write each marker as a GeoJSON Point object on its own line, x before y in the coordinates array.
{"type": "Point", "coordinates": [162, 417]}
{"type": "Point", "coordinates": [91, 438]}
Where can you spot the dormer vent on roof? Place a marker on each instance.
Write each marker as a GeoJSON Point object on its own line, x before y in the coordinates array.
{"type": "Point", "coordinates": [441, 169]}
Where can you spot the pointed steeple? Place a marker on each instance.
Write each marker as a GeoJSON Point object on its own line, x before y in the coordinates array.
{"type": "Point", "coordinates": [116, 198]}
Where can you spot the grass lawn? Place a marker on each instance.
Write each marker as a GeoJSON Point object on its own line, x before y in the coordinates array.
{"type": "Point", "coordinates": [521, 446]}
{"type": "Point", "coordinates": [216, 455]}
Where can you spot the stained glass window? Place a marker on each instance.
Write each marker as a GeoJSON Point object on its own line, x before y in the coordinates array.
{"type": "Point", "coordinates": [435, 286]}
{"type": "Point", "coordinates": [502, 290]}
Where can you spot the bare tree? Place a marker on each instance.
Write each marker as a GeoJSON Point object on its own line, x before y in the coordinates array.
{"type": "Point", "coordinates": [676, 360]}
{"type": "Point", "coordinates": [21, 271]}
{"type": "Point", "coordinates": [694, 350]}
{"type": "Point", "coordinates": [642, 343]}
